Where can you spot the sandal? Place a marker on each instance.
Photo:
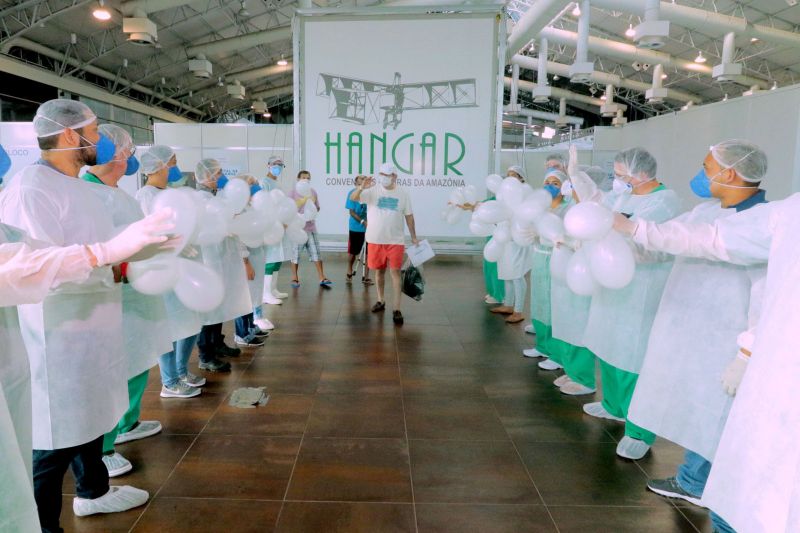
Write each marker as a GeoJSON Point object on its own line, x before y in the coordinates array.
{"type": "Point", "coordinates": [367, 281]}
{"type": "Point", "coordinates": [325, 283]}
{"type": "Point", "coordinates": [295, 283]}
{"type": "Point", "coordinates": [350, 278]}
{"type": "Point", "coordinates": [379, 306]}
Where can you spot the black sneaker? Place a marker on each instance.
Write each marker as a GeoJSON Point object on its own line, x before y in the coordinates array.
{"type": "Point", "coordinates": [260, 333]}
{"type": "Point", "coordinates": [223, 350]}
{"type": "Point", "coordinates": [215, 365]}
{"type": "Point", "coordinates": [379, 306]}
{"type": "Point", "coordinates": [397, 318]}
{"type": "Point", "coordinates": [671, 489]}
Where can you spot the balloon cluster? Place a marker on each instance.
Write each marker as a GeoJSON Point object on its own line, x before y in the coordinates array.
{"type": "Point", "coordinates": [518, 214]}
{"type": "Point", "coordinates": [463, 196]}
{"type": "Point", "coordinates": [202, 219]}
{"type": "Point", "coordinates": [604, 259]}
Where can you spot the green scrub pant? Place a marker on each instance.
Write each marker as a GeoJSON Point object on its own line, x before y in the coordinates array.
{"type": "Point", "coordinates": [271, 268]}
{"type": "Point", "coordinates": [578, 362]}
{"type": "Point", "coordinates": [618, 387]}
{"type": "Point", "coordinates": [544, 339]}
{"type": "Point", "coordinates": [495, 287]}
{"type": "Point", "coordinates": [136, 387]}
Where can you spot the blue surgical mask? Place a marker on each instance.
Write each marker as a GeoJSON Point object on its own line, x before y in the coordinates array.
{"type": "Point", "coordinates": [133, 166]}
{"type": "Point", "coordinates": [5, 163]}
{"type": "Point", "coordinates": [621, 187]}
{"type": "Point", "coordinates": [222, 181]}
{"type": "Point", "coordinates": [701, 184]}
{"type": "Point", "coordinates": [105, 150]}
{"type": "Point", "coordinates": [275, 170]}
{"type": "Point", "coordinates": [254, 188]}
{"type": "Point", "coordinates": [554, 190]}
{"type": "Point", "coordinates": [174, 174]}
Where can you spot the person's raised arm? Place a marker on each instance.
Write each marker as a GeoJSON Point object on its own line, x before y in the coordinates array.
{"type": "Point", "coordinates": [368, 183]}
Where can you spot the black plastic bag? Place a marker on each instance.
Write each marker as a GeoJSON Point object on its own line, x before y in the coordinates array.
{"type": "Point", "coordinates": [413, 282]}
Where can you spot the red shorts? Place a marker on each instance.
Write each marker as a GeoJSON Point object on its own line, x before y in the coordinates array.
{"type": "Point", "coordinates": [380, 255]}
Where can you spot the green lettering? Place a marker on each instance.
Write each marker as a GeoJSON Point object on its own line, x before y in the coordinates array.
{"type": "Point", "coordinates": [354, 141]}
{"type": "Point", "coordinates": [410, 169]}
{"type": "Point", "coordinates": [330, 144]}
{"type": "Point", "coordinates": [382, 140]}
{"type": "Point", "coordinates": [428, 142]}
{"type": "Point", "coordinates": [452, 165]}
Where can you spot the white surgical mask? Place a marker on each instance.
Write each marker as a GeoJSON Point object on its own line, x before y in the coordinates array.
{"type": "Point", "coordinates": [386, 181]}
{"type": "Point", "coordinates": [566, 189]}
{"type": "Point", "coordinates": [621, 187]}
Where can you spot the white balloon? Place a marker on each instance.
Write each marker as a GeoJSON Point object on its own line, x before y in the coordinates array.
{"type": "Point", "coordinates": [199, 288]}
{"type": "Point", "coordinates": [559, 261]}
{"type": "Point", "coordinates": [303, 187]}
{"type": "Point", "coordinates": [296, 235]}
{"type": "Point", "coordinates": [185, 214]}
{"type": "Point", "coordinates": [550, 226]}
{"type": "Point", "coordinates": [277, 194]}
{"type": "Point", "coordinates": [297, 222]}
{"type": "Point", "coordinates": [480, 229]}
{"type": "Point", "coordinates": [470, 194]}
{"type": "Point", "coordinates": [492, 212]}
{"type": "Point", "coordinates": [211, 229]}
{"type": "Point", "coordinates": [457, 197]}
{"type": "Point", "coordinates": [249, 224]}
{"type": "Point", "coordinates": [493, 182]}
{"type": "Point", "coordinates": [454, 216]}
{"type": "Point", "coordinates": [523, 234]}
{"type": "Point", "coordinates": [509, 192]}
{"type": "Point", "coordinates": [237, 194]}
{"type": "Point", "coordinates": [252, 241]}
{"type": "Point", "coordinates": [588, 221]}
{"type": "Point", "coordinates": [310, 212]}
{"type": "Point", "coordinates": [154, 276]}
{"type": "Point", "coordinates": [446, 211]}
{"type": "Point", "coordinates": [493, 250]}
{"type": "Point", "coordinates": [532, 207]}
{"type": "Point", "coordinates": [579, 275]}
{"type": "Point", "coordinates": [612, 262]}
{"type": "Point", "coordinates": [274, 233]}
{"type": "Point", "coordinates": [287, 210]}
{"type": "Point", "coordinates": [502, 233]}
{"type": "Point", "coordinates": [262, 201]}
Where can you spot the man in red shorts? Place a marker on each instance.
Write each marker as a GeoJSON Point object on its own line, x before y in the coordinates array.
{"type": "Point", "coordinates": [387, 206]}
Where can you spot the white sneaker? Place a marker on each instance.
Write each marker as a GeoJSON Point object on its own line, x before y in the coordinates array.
{"type": "Point", "coordinates": [190, 380]}
{"type": "Point", "coordinates": [630, 448]}
{"type": "Point", "coordinates": [561, 381]}
{"type": "Point", "coordinates": [271, 299]}
{"type": "Point", "coordinates": [116, 500]}
{"type": "Point", "coordinates": [274, 287]}
{"type": "Point", "coordinates": [264, 324]}
{"type": "Point", "coordinates": [144, 429]}
{"type": "Point", "coordinates": [532, 352]}
{"type": "Point", "coordinates": [549, 364]}
{"type": "Point", "coordinates": [574, 388]}
{"type": "Point", "coordinates": [597, 410]}
{"type": "Point", "coordinates": [116, 464]}
{"type": "Point", "coordinates": [529, 329]}
{"type": "Point", "coordinates": [181, 390]}
{"type": "Point", "coordinates": [489, 300]}
{"type": "Point", "coordinates": [278, 294]}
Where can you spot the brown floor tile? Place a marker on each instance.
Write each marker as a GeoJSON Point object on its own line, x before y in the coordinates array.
{"type": "Point", "coordinates": [469, 472]}
{"type": "Point", "coordinates": [372, 470]}
{"type": "Point", "coordinates": [620, 519]}
{"type": "Point", "coordinates": [303, 517]}
{"type": "Point", "coordinates": [428, 380]}
{"type": "Point", "coordinates": [470, 518]}
{"type": "Point", "coordinates": [179, 415]}
{"type": "Point", "coordinates": [372, 379]}
{"type": "Point", "coordinates": [356, 415]}
{"type": "Point", "coordinates": [238, 466]}
{"type": "Point", "coordinates": [300, 379]}
{"type": "Point", "coordinates": [443, 417]}
{"type": "Point", "coordinates": [179, 515]}
{"type": "Point", "coordinates": [548, 419]}
{"type": "Point", "coordinates": [284, 415]}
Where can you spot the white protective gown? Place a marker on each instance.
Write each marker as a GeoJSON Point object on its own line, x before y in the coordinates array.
{"type": "Point", "coordinates": [258, 259]}
{"type": "Point", "coordinates": [755, 479]}
{"type": "Point", "coordinates": [183, 322]}
{"type": "Point", "coordinates": [276, 253]}
{"type": "Point", "coordinates": [226, 260]}
{"type": "Point", "coordinates": [145, 317]}
{"type": "Point", "coordinates": [74, 337]}
{"type": "Point", "coordinates": [515, 262]}
{"type": "Point", "coordinates": [705, 306]}
{"type": "Point", "coordinates": [541, 296]}
{"type": "Point", "coordinates": [620, 320]}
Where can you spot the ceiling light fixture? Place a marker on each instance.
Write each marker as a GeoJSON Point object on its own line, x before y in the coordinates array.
{"type": "Point", "coordinates": [630, 32]}
{"type": "Point", "coordinates": [700, 57]}
{"type": "Point", "coordinates": [663, 76]}
{"type": "Point", "coordinates": [576, 12]}
{"type": "Point", "coordinates": [754, 40]}
{"type": "Point", "coordinates": [267, 114]}
{"type": "Point", "coordinates": [101, 12]}
{"type": "Point", "coordinates": [282, 61]}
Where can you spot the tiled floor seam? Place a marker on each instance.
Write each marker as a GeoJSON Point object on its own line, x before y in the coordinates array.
{"type": "Point", "coordinates": [408, 443]}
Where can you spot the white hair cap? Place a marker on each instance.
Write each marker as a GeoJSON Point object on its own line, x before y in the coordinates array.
{"type": "Point", "coordinates": [518, 170]}
{"type": "Point", "coordinates": [54, 116]}
{"type": "Point", "coordinates": [156, 158]}
{"type": "Point", "coordinates": [121, 138]}
{"type": "Point", "coordinates": [747, 159]}
{"type": "Point", "coordinates": [206, 169]}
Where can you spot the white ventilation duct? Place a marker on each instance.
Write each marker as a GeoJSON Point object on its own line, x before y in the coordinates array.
{"type": "Point", "coordinates": [582, 68]}
{"type": "Point", "coordinates": [657, 93]}
{"type": "Point", "coordinates": [562, 113]}
{"type": "Point", "coordinates": [728, 70]}
{"type": "Point", "coordinates": [277, 91]}
{"type": "Point", "coordinates": [539, 15]}
{"type": "Point", "coordinates": [514, 94]}
{"type": "Point", "coordinates": [543, 115]}
{"type": "Point", "coordinates": [240, 42]}
{"type": "Point", "coordinates": [542, 92]}
{"type": "Point", "coordinates": [151, 6]}
{"type": "Point", "coordinates": [609, 107]}
{"type": "Point", "coordinates": [619, 120]}
{"type": "Point", "coordinates": [528, 87]}
{"type": "Point", "coordinates": [652, 32]}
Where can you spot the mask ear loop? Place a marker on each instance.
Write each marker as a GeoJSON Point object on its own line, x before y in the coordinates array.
{"type": "Point", "coordinates": [729, 167]}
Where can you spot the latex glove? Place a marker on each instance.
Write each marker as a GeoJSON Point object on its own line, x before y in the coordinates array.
{"type": "Point", "coordinates": [139, 241]}
{"type": "Point", "coordinates": [732, 377]}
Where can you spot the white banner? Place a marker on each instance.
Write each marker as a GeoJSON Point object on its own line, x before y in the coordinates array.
{"type": "Point", "coordinates": [416, 91]}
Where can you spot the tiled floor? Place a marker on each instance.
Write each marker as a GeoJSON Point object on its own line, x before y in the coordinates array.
{"type": "Point", "coordinates": [437, 426]}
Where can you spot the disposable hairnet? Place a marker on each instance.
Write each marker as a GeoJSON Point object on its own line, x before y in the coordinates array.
{"type": "Point", "coordinates": [518, 170]}
{"type": "Point", "coordinates": [274, 160]}
{"type": "Point", "coordinates": [121, 138]}
{"type": "Point", "coordinates": [747, 159]}
{"type": "Point", "coordinates": [557, 157]}
{"type": "Point", "coordinates": [206, 169]}
{"type": "Point", "coordinates": [54, 116]}
{"type": "Point", "coordinates": [156, 158]}
{"type": "Point", "coordinates": [560, 176]}
{"type": "Point", "coordinates": [638, 162]}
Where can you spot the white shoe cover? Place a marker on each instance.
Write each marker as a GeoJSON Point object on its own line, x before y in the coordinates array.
{"type": "Point", "coordinates": [630, 448]}
{"type": "Point", "coordinates": [116, 500]}
{"type": "Point", "coordinates": [597, 410]}
{"type": "Point", "coordinates": [489, 300]}
{"type": "Point", "coordinates": [549, 364]}
{"type": "Point", "coordinates": [529, 329]}
{"type": "Point", "coordinates": [575, 389]}
{"type": "Point", "coordinates": [561, 381]}
{"type": "Point", "coordinates": [532, 352]}
{"type": "Point", "coordinates": [116, 464]}
{"type": "Point", "coordinates": [264, 324]}
{"type": "Point", "coordinates": [275, 292]}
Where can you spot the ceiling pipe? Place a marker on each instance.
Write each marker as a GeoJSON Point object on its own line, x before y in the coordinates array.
{"type": "Point", "coordinates": [700, 19]}
{"type": "Point", "coordinates": [542, 115]}
{"type": "Point", "coordinates": [151, 6]}
{"type": "Point", "coordinates": [55, 54]}
{"type": "Point", "coordinates": [606, 78]}
{"type": "Point", "coordinates": [539, 15]}
{"type": "Point", "coordinates": [629, 52]}
{"type": "Point", "coordinates": [261, 72]}
{"type": "Point", "coordinates": [277, 91]}
{"type": "Point", "coordinates": [514, 93]}
{"type": "Point", "coordinates": [528, 86]}
{"type": "Point", "coordinates": [581, 69]}
{"type": "Point", "coordinates": [240, 42]}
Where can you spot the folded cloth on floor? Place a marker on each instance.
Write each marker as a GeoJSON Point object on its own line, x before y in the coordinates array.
{"type": "Point", "coordinates": [249, 397]}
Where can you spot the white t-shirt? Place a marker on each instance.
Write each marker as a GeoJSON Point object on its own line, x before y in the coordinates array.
{"type": "Point", "coordinates": [386, 212]}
